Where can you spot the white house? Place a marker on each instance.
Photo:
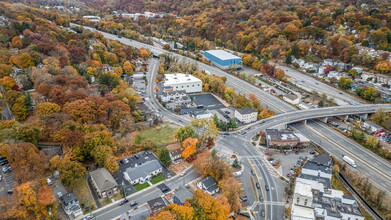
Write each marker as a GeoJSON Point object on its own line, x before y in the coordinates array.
{"type": "Point", "coordinates": [372, 127]}
{"type": "Point", "coordinates": [300, 62]}
{"type": "Point", "coordinates": [71, 205]}
{"type": "Point", "coordinates": [180, 81]}
{"type": "Point", "coordinates": [358, 69]}
{"type": "Point", "coordinates": [92, 18]}
{"type": "Point", "coordinates": [366, 75]}
{"type": "Point", "coordinates": [246, 115]}
{"type": "Point", "coordinates": [202, 114]}
{"type": "Point", "coordinates": [208, 185]}
{"type": "Point", "coordinates": [329, 62]}
{"type": "Point", "coordinates": [290, 98]}
{"type": "Point", "coordinates": [314, 169]}
{"type": "Point", "coordinates": [178, 97]}
{"type": "Point", "coordinates": [143, 173]}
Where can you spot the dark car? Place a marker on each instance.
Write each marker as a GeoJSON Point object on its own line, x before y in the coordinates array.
{"type": "Point", "coordinates": [164, 190]}
{"type": "Point", "coordinates": [119, 36]}
{"type": "Point", "coordinates": [133, 203]}
{"type": "Point", "coordinates": [243, 199]}
{"type": "Point", "coordinates": [263, 213]}
{"type": "Point", "coordinates": [252, 172]}
{"type": "Point", "coordinates": [260, 198]}
{"type": "Point", "coordinates": [123, 202]}
{"type": "Point", "coordinates": [136, 156]}
{"type": "Point", "coordinates": [267, 187]}
{"type": "Point", "coordinates": [258, 186]}
{"type": "Point", "coordinates": [312, 152]}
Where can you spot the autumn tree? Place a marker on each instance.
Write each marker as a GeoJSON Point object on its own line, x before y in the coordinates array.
{"type": "Point", "coordinates": [205, 128]}
{"type": "Point", "coordinates": [20, 109]}
{"type": "Point", "coordinates": [189, 147]}
{"type": "Point", "coordinates": [384, 67]}
{"type": "Point", "coordinates": [144, 53]}
{"type": "Point", "coordinates": [184, 132]}
{"type": "Point", "coordinates": [205, 205]}
{"type": "Point", "coordinates": [344, 82]}
{"type": "Point", "coordinates": [7, 83]}
{"type": "Point", "coordinates": [231, 189]}
{"type": "Point", "coordinates": [46, 109]}
{"type": "Point", "coordinates": [71, 171]}
{"type": "Point", "coordinates": [17, 42]}
{"type": "Point", "coordinates": [129, 68]}
{"type": "Point", "coordinates": [5, 70]}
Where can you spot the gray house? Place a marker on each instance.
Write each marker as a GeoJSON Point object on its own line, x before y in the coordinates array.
{"type": "Point", "coordinates": [208, 185]}
{"type": "Point", "coordinates": [104, 183]}
{"type": "Point", "coordinates": [71, 205]}
{"type": "Point", "coordinates": [143, 172]}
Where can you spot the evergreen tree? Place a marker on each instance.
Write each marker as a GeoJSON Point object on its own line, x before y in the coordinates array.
{"type": "Point", "coordinates": [164, 157]}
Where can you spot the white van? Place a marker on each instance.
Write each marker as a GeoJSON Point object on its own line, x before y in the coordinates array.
{"type": "Point", "coordinates": [49, 181]}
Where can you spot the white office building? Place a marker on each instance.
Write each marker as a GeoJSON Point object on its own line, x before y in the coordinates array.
{"type": "Point", "coordinates": [246, 115]}
{"type": "Point", "coordinates": [180, 81]}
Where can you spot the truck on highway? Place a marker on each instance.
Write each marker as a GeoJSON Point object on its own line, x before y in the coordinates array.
{"type": "Point", "coordinates": [349, 160]}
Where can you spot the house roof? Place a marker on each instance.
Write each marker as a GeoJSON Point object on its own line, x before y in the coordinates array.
{"type": "Point", "coordinates": [291, 97]}
{"type": "Point", "coordinates": [103, 179]}
{"type": "Point", "coordinates": [222, 54]}
{"type": "Point", "coordinates": [156, 204]}
{"type": "Point", "coordinates": [323, 159]}
{"type": "Point", "coordinates": [175, 152]}
{"type": "Point", "coordinates": [182, 194]}
{"type": "Point", "coordinates": [208, 181]}
{"type": "Point", "coordinates": [314, 166]}
{"type": "Point", "coordinates": [69, 197]}
{"type": "Point", "coordinates": [143, 170]}
{"type": "Point", "coordinates": [140, 213]}
{"type": "Point", "coordinates": [245, 111]}
{"type": "Point", "coordinates": [369, 123]}
{"type": "Point", "coordinates": [282, 135]}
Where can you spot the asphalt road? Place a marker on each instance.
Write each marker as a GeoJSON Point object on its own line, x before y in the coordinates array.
{"type": "Point", "coordinates": [277, 105]}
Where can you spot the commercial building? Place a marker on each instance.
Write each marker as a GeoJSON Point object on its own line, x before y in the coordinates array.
{"type": "Point", "coordinates": [223, 59]}
{"type": "Point", "coordinates": [201, 114]}
{"type": "Point", "coordinates": [283, 138]}
{"type": "Point", "coordinates": [292, 99]}
{"type": "Point", "coordinates": [246, 115]}
{"type": "Point", "coordinates": [180, 81]}
{"type": "Point", "coordinates": [104, 183]}
{"type": "Point", "coordinates": [315, 169]}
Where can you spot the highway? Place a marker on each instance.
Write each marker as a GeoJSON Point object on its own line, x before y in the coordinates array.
{"type": "Point", "coordinates": [335, 144]}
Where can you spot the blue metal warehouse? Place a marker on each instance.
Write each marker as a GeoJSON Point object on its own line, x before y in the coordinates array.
{"type": "Point", "coordinates": [223, 59]}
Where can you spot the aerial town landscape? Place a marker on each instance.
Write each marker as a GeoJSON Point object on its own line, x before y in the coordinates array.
{"type": "Point", "coordinates": [195, 110]}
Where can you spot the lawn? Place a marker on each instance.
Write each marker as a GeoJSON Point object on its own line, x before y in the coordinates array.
{"type": "Point", "coordinates": [160, 136]}
{"type": "Point", "coordinates": [157, 179]}
{"type": "Point", "coordinates": [139, 187]}
{"type": "Point", "coordinates": [105, 201]}
{"type": "Point", "coordinates": [118, 196]}
{"type": "Point", "coordinates": [83, 193]}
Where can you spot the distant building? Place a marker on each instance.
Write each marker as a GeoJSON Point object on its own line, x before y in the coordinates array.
{"type": "Point", "coordinates": [246, 115]}
{"type": "Point", "coordinates": [155, 205]}
{"type": "Point", "coordinates": [365, 76]}
{"type": "Point", "coordinates": [383, 79]}
{"type": "Point", "coordinates": [283, 138]}
{"type": "Point", "coordinates": [208, 185]}
{"type": "Point", "coordinates": [372, 127]}
{"type": "Point", "coordinates": [223, 59]}
{"type": "Point", "coordinates": [141, 213]}
{"type": "Point", "coordinates": [358, 70]}
{"type": "Point", "coordinates": [172, 96]}
{"type": "Point", "coordinates": [104, 183]}
{"type": "Point", "coordinates": [143, 173]}
{"type": "Point", "coordinates": [175, 156]}
{"type": "Point", "coordinates": [71, 205]}
{"type": "Point", "coordinates": [292, 99]}
{"type": "Point", "coordinates": [92, 18]}
{"type": "Point", "coordinates": [180, 81]}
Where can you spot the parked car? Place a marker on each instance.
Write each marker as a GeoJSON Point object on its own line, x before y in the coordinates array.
{"type": "Point", "coordinates": [263, 213]}
{"type": "Point", "coordinates": [243, 199]}
{"type": "Point", "coordinates": [59, 195]}
{"type": "Point", "coordinates": [49, 181]}
{"type": "Point", "coordinates": [260, 198]}
{"type": "Point", "coordinates": [123, 202]}
{"type": "Point", "coordinates": [183, 173]}
{"type": "Point", "coordinates": [88, 217]}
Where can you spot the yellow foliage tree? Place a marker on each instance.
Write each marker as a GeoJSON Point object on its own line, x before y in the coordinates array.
{"type": "Point", "coordinates": [45, 109]}
{"type": "Point", "coordinates": [189, 147]}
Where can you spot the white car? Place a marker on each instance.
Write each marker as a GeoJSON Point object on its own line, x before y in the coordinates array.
{"type": "Point", "coordinates": [183, 173]}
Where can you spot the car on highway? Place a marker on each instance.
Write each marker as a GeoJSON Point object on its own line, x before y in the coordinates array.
{"type": "Point", "coordinates": [133, 203]}
{"type": "Point", "coordinates": [119, 36]}
{"type": "Point", "coordinates": [258, 186]}
{"type": "Point", "coordinates": [267, 187]}
{"type": "Point", "coordinates": [252, 172]}
{"type": "Point", "coordinates": [123, 202]}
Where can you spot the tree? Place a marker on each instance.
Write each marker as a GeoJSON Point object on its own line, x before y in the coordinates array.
{"type": "Point", "coordinates": [45, 196]}
{"type": "Point", "coordinates": [182, 212]}
{"type": "Point", "coordinates": [368, 93]}
{"type": "Point", "coordinates": [189, 147]}
{"type": "Point", "coordinates": [81, 110]}
{"type": "Point", "coordinates": [205, 128]}
{"type": "Point", "coordinates": [144, 53]}
{"type": "Point", "coordinates": [7, 83]}
{"type": "Point", "coordinates": [46, 109]}
{"type": "Point", "coordinates": [184, 132]}
{"type": "Point", "coordinates": [129, 68]}
{"type": "Point", "coordinates": [345, 82]}
{"type": "Point", "coordinates": [5, 70]}
{"type": "Point", "coordinates": [372, 142]}
{"type": "Point", "coordinates": [111, 163]}
{"type": "Point", "coordinates": [71, 171]}
{"type": "Point", "coordinates": [383, 66]}
{"type": "Point", "coordinates": [20, 109]}
{"type": "Point", "coordinates": [164, 157]}
{"type": "Point", "coordinates": [100, 153]}
{"type": "Point", "coordinates": [17, 42]}
{"type": "Point", "coordinates": [167, 215]}
{"type": "Point", "coordinates": [231, 189]}
{"type": "Point", "coordinates": [206, 206]}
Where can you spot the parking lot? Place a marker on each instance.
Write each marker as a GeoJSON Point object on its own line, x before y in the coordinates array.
{"type": "Point", "coordinates": [208, 101]}
{"type": "Point", "coordinates": [290, 160]}
{"type": "Point", "coordinates": [7, 179]}
{"type": "Point", "coordinates": [131, 161]}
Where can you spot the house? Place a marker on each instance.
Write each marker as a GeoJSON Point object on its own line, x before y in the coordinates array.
{"type": "Point", "coordinates": [291, 98]}
{"type": "Point", "coordinates": [321, 70]}
{"type": "Point", "coordinates": [283, 138]}
{"type": "Point", "coordinates": [323, 159]}
{"type": "Point", "coordinates": [142, 173]}
{"type": "Point", "coordinates": [201, 114]}
{"type": "Point", "coordinates": [366, 76]}
{"type": "Point", "coordinates": [342, 66]}
{"type": "Point", "coordinates": [246, 115]}
{"type": "Point", "coordinates": [176, 156]}
{"type": "Point", "coordinates": [299, 62]}
{"type": "Point", "coordinates": [383, 79]}
{"type": "Point", "coordinates": [71, 205]}
{"type": "Point", "coordinates": [141, 213]}
{"type": "Point", "coordinates": [311, 67]}
{"type": "Point", "coordinates": [302, 213]}
{"type": "Point", "coordinates": [208, 185]}
{"type": "Point", "coordinates": [155, 205]}
{"type": "Point", "coordinates": [181, 195]}
{"type": "Point", "coordinates": [329, 62]}
{"type": "Point", "coordinates": [173, 95]}
{"type": "Point", "coordinates": [358, 70]}
{"type": "Point", "coordinates": [104, 183]}
{"type": "Point", "coordinates": [372, 127]}
{"type": "Point", "coordinates": [314, 169]}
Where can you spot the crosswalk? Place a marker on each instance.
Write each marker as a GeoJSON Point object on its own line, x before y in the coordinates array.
{"type": "Point", "coordinates": [260, 161]}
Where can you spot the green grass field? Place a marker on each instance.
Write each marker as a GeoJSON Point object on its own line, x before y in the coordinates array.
{"type": "Point", "coordinates": [161, 136]}
{"type": "Point", "coordinates": [139, 187]}
{"type": "Point", "coordinates": [157, 179]}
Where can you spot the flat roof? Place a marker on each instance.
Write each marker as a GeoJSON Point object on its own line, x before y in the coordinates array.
{"type": "Point", "coordinates": [178, 78]}
{"type": "Point", "coordinates": [222, 54]}
{"type": "Point", "coordinates": [303, 189]}
{"type": "Point", "coordinates": [301, 211]}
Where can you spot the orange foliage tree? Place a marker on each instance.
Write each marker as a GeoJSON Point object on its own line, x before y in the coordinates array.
{"type": "Point", "coordinates": [189, 147]}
